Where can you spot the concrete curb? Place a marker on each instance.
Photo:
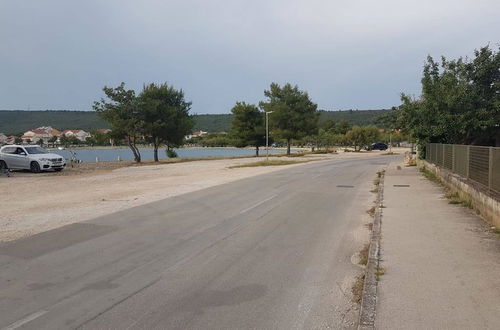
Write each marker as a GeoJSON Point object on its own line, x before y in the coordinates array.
{"type": "Point", "coordinates": [367, 310]}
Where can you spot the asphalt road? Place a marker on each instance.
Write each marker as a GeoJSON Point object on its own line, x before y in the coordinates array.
{"type": "Point", "coordinates": [269, 252]}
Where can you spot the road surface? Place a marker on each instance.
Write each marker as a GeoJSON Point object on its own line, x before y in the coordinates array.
{"type": "Point", "coordinates": [269, 252]}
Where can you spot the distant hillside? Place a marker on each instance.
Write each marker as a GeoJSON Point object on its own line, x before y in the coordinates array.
{"type": "Point", "coordinates": [16, 122]}
{"type": "Point", "coordinates": [354, 117]}
{"type": "Point", "coordinates": [212, 123]}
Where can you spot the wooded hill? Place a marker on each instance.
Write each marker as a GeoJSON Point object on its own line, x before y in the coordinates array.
{"type": "Point", "coordinates": [16, 122]}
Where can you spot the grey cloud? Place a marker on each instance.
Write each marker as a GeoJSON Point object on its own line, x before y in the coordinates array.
{"type": "Point", "coordinates": [347, 54]}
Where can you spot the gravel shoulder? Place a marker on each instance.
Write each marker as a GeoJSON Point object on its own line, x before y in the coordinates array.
{"type": "Point", "coordinates": [34, 203]}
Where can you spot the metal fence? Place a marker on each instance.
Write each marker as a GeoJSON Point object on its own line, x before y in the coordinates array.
{"type": "Point", "coordinates": [480, 164]}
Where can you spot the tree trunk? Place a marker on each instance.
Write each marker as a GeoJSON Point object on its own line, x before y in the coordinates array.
{"type": "Point", "coordinates": [135, 150]}
{"type": "Point", "coordinates": [155, 154]}
{"type": "Point", "coordinates": [257, 151]}
{"type": "Point", "coordinates": [288, 146]}
{"type": "Point", "coordinates": [155, 150]}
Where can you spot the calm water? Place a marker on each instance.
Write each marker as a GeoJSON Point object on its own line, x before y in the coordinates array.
{"type": "Point", "coordinates": [106, 155]}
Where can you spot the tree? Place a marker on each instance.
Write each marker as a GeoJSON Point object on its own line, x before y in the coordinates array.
{"type": "Point", "coordinates": [40, 142]}
{"type": "Point", "coordinates": [294, 114]}
{"type": "Point", "coordinates": [123, 114]}
{"type": "Point", "coordinates": [165, 116]}
{"type": "Point", "coordinates": [69, 140]}
{"type": "Point", "coordinates": [53, 140]}
{"type": "Point", "coordinates": [18, 140]}
{"type": "Point", "coordinates": [98, 138]}
{"type": "Point", "coordinates": [460, 102]}
{"type": "Point", "coordinates": [362, 136]}
{"type": "Point", "coordinates": [335, 127]}
{"type": "Point", "coordinates": [248, 126]}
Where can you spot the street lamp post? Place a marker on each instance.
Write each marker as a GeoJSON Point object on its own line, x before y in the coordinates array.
{"type": "Point", "coordinates": [267, 134]}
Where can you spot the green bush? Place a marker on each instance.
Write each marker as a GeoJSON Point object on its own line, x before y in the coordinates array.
{"type": "Point", "coordinates": [171, 153]}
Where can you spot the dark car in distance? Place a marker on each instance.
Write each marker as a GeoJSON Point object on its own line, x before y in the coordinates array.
{"type": "Point", "coordinates": [377, 146]}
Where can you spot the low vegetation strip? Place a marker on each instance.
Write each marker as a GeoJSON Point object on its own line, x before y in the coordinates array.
{"type": "Point", "coordinates": [271, 163]}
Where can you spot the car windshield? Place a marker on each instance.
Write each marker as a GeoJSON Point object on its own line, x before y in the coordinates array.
{"type": "Point", "coordinates": [36, 150]}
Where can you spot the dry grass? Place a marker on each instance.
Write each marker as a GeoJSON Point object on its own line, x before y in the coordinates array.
{"type": "Point", "coordinates": [363, 255]}
{"type": "Point", "coordinates": [412, 162]}
{"type": "Point", "coordinates": [380, 271]}
{"type": "Point", "coordinates": [357, 289]}
{"type": "Point", "coordinates": [270, 163]}
{"type": "Point", "coordinates": [298, 154]}
{"type": "Point", "coordinates": [371, 211]}
{"type": "Point", "coordinates": [430, 175]}
{"type": "Point", "coordinates": [454, 198]}
{"type": "Point", "coordinates": [107, 166]}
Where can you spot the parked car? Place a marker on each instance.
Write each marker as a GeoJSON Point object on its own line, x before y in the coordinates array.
{"type": "Point", "coordinates": [32, 157]}
{"type": "Point", "coordinates": [377, 146]}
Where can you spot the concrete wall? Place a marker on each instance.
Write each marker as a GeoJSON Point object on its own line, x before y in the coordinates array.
{"type": "Point", "coordinates": [486, 205]}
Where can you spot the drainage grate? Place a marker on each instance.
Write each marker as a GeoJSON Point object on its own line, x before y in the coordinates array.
{"type": "Point", "coordinates": [344, 186]}
{"type": "Point", "coordinates": [400, 185]}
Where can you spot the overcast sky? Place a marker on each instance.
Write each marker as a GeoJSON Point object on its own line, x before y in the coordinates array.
{"type": "Point", "coordinates": [348, 54]}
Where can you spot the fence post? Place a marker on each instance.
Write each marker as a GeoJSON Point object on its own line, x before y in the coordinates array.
{"type": "Point", "coordinates": [444, 155]}
{"type": "Point", "coordinates": [467, 162]}
{"type": "Point", "coordinates": [453, 158]}
{"type": "Point", "coordinates": [490, 167]}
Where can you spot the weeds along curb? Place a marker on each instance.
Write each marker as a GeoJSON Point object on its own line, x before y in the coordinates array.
{"type": "Point", "coordinates": [367, 310]}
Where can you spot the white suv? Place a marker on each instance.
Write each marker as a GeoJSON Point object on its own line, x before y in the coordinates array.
{"type": "Point", "coordinates": [30, 157]}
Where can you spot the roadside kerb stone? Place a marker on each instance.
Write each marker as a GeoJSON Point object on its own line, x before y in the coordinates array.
{"type": "Point", "coordinates": [367, 310]}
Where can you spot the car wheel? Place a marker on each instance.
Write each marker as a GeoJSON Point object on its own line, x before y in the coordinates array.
{"type": "Point", "coordinates": [35, 167]}
{"type": "Point", "coordinates": [3, 166]}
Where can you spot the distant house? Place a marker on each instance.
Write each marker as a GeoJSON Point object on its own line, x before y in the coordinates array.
{"type": "Point", "coordinates": [195, 134]}
{"type": "Point", "coordinates": [3, 138]}
{"type": "Point", "coordinates": [44, 133]}
{"type": "Point", "coordinates": [11, 139]}
{"type": "Point", "coordinates": [80, 134]}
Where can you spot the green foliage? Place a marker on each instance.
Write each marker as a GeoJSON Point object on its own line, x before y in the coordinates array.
{"type": "Point", "coordinates": [354, 117]}
{"type": "Point", "coordinates": [69, 141]}
{"type": "Point", "coordinates": [98, 139]}
{"type": "Point", "coordinates": [212, 123]}
{"type": "Point", "coordinates": [248, 126]}
{"type": "Point", "coordinates": [213, 140]}
{"type": "Point", "coordinates": [335, 127]}
{"type": "Point", "coordinates": [164, 115]}
{"type": "Point", "coordinates": [294, 114]}
{"type": "Point", "coordinates": [460, 101]}
{"type": "Point", "coordinates": [171, 153]}
{"type": "Point", "coordinates": [362, 136]}
{"type": "Point", "coordinates": [122, 112]}
{"type": "Point", "coordinates": [396, 137]}
{"type": "Point", "coordinates": [17, 122]}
